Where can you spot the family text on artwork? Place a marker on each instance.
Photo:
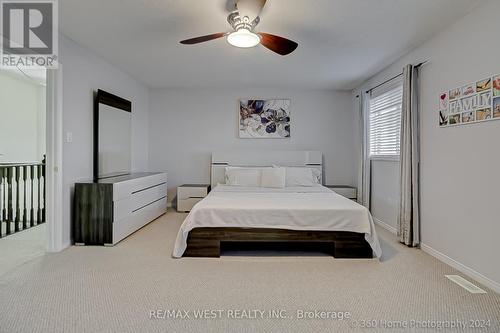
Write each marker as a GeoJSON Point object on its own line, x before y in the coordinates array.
{"type": "Point", "coordinates": [471, 103]}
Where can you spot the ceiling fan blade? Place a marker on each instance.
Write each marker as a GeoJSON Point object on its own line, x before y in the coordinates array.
{"type": "Point", "coordinates": [277, 44]}
{"type": "Point", "coordinates": [202, 39]}
{"type": "Point", "coordinates": [250, 8]}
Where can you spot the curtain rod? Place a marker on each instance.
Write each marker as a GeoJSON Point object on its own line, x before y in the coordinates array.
{"type": "Point", "coordinates": [395, 77]}
{"type": "Point", "coordinates": [386, 81]}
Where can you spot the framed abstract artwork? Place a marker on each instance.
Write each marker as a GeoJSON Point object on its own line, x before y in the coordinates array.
{"type": "Point", "coordinates": [264, 118]}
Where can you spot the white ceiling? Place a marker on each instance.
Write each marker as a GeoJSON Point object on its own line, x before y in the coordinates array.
{"type": "Point", "coordinates": [341, 42]}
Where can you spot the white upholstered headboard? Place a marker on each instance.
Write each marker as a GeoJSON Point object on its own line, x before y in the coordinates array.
{"type": "Point", "coordinates": [220, 160]}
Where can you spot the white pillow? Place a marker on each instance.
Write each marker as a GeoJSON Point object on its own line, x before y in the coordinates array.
{"type": "Point", "coordinates": [273, 177]}
{"type": "Point", "coordinates": [300, 177]}
{"type": "Point", "coordinates": [243, 176]}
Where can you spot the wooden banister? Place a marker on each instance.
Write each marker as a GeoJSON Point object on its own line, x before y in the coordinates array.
{"type": "Point", "coordinates": [22, 196]}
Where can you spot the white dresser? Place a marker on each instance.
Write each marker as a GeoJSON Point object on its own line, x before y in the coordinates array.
{"type": "Point", "coordinates": [113, 208]}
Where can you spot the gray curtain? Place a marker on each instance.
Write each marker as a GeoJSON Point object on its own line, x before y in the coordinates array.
{"type": "Point", "coordinates": [364, 170]}
{"type": "Point", "coordinates": [409, 207]}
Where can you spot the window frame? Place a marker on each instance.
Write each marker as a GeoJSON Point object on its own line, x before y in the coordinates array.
{"type": "Point", "coordinates": [395, 84]}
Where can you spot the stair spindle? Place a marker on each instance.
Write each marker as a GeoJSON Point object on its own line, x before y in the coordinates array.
{"type": "Point", "coordinates": [18, 207]}
{"type": "Point", "coordinates": [3, 212]}
{"type": "Point", "coordinates": [32, 210]}
{"type": "Point", "coordinates": [25, 211]}
{"type": "Point", "coordinates": [44, 191]}
{"type": "Point", "coordinates": [39, 196]}
{"type": "Point", "coordinates": [10, 208]}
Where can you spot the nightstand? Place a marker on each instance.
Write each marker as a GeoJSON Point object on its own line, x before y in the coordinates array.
{"type": "Point", "coordinates": [347, 191]}
{"type": "Point", "coordinates": [190, 194]}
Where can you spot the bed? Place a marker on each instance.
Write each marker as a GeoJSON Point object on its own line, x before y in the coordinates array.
{"type": "Point", "coordinates": [296, 217]}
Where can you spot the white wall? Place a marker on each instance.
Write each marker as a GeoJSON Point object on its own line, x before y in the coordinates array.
{"type": "Point", "coordinates": [22, 119]}
{"type": "Point", "coordinates": [459, 165]}
{"type": "Point", "coordinates": [187, 125]}
{"type": "Point", "coordinates": [84, 73]}
{"type": "Point", "coordinates": [384, 197]}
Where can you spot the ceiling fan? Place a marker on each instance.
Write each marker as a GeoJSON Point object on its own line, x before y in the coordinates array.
{"type": "Point", "coordinates": [243, 19]}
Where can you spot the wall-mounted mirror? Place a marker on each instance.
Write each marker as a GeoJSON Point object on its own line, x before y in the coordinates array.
{"type": "Point", "coordinates": [112, 135]}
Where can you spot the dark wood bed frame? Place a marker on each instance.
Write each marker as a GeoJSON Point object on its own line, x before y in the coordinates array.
{"type": "Point", "coordinates": [208, 242]}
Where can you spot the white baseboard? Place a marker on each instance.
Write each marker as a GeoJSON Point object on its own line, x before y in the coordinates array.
{"type": "Point", "coordinates": [385, 225]}
{"type": "Point", "coordinates": [449, 261]}
{"type": "Point", "coordinates": [63, 247]}
{"type": "Point", "coordinates": [462, 268]}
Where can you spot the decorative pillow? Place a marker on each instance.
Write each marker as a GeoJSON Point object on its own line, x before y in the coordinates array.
{"type": "Point", "coordinates": [273, 177]}
{"type": "Point", "coordinates": [243, 176]}
{"type": "Point", "coordinates": [300, 177]}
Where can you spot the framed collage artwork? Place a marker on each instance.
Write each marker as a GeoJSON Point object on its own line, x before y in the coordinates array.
{"type": "Point", "coordinates": [471, 103]}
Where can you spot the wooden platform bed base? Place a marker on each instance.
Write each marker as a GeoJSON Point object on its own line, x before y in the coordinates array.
{"type": "Point", "coordinates": [207, 242]}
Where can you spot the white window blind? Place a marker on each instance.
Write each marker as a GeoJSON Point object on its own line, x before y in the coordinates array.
{"type": "Point", "coordinates": [385, 122]}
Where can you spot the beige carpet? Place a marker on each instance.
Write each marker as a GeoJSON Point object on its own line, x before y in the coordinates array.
{"type": "Point", "coordinates": [21, 247]}
{"type": "Point", "coordinates": [98, 289]}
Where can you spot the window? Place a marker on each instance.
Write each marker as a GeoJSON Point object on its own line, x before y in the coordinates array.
{"type": "Point", "coordinates": [385, 121]}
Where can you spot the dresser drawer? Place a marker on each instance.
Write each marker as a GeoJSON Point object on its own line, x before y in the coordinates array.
{"type": "Point", "coordinates": [145, 197]}
{"type": "Point", "coordinates": [125, 189]}
{"type": "Point", "coordinates": [137, 220]}
{"type": "Point", "coordinates": [345, 191]}
{"type": "Point", "coordinates": [185, 205]}
{"type": "Point", "coordinates": [128, 205]}
{"type": "Point", "coordinates": [191, 192]}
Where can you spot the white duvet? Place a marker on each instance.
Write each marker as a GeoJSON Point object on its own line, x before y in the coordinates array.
{"type": "Point", "coordinates": [294, 208]}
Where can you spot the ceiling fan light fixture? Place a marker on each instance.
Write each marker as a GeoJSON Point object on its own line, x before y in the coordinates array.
{"type": "Point", "coordinates": [243, 38]}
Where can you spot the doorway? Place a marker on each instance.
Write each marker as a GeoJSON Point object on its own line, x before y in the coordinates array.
{"type": "Point", "coordinates": [30, 156]}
